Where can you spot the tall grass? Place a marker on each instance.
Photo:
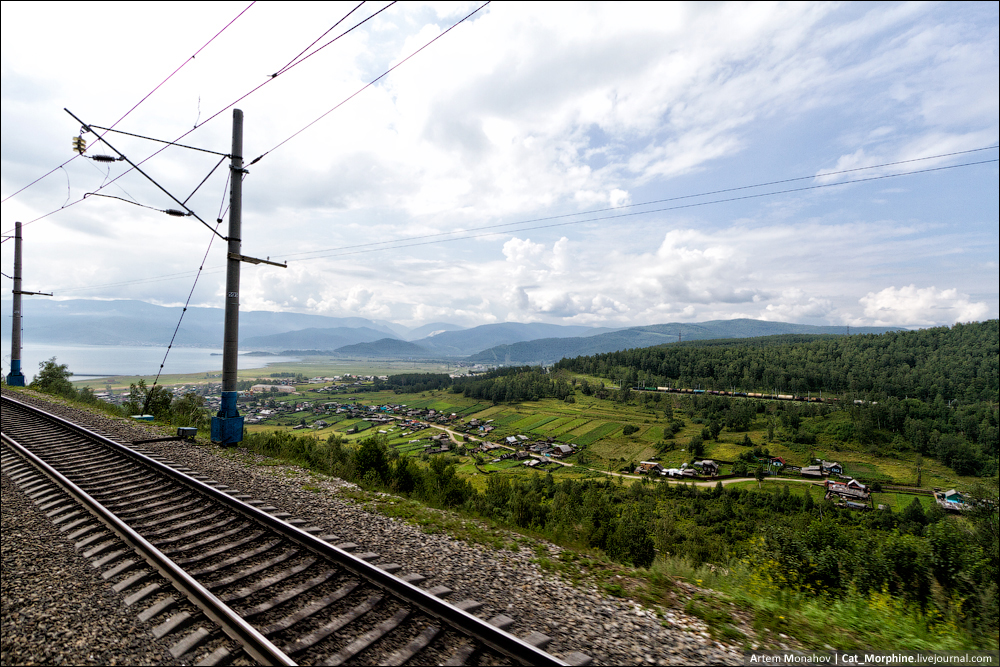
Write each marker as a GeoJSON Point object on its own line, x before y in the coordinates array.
{"type": "Point", "coordinates": [848, 621]}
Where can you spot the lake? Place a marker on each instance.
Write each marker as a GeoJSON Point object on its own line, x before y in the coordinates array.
{"type": "Point", "coordinates": [102, 360]}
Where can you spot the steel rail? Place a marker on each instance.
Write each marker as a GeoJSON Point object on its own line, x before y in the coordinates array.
{"type": "Point", "coordinates": [473, 626]}
{"type": "Point", "coordinates": [253, 642]}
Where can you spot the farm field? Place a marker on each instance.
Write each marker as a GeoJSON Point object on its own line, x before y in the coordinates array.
{"type": "Point", "coordinates": [597, 425]}
{"type": "Point", "coordinates": [308, 365]}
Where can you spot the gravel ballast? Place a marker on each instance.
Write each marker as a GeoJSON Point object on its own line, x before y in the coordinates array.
{"type": "Point", "coordinates": [611, 630]}
{"type": "Point", "coordinates": [56, 610]}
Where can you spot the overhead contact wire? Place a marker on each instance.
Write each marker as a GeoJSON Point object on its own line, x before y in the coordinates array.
{"type": "Point", "coordinates": [211, 239]}
{"type": "Point", "coordinates": [656, 201]}
{"type": "Point", "coordinates": [659, 210]}
{"type": "Point", "coordinates": [370, 83]}
{"type": "Point", "coordinates": [134, 107]}
{"type": "Point", "coordinates": [405, 242]}
{"type": "Point", "coordinates": [292, 62]}
{"type": "Point", "coordinates": [210, 118]}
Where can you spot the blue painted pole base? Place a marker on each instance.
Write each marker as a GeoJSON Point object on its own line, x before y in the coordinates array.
{"type": "Point", "coordinates": [227, 431]}
{"type": "Point", "coordinates": [227, 425]}
{"type": "Point", "coordinates": [15, 378]}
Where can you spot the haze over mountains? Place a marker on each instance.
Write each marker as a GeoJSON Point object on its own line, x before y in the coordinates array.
{"type": "Point", "coordinates": [136, 323]}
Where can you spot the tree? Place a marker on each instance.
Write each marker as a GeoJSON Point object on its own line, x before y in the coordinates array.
{"type": "Point", "coordinates": [188, 410]}
{"type": "Point", "coordinates": [714, 429]}
{"type": "Point", "coordinates": [155, 401]}
{"type": "Point", "coordinates": [371, 457]}
{"type": "Point", "coordinates": [697, 446]}
{"type": "Point", "coordinates": [53, 378]}
{"type": "Point", "coordinates": [758, 474]}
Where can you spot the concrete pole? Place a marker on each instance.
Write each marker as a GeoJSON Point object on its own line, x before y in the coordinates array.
{"type": "Point", "coordinates": [16, 377]}
{"type": "Point", "coordinates": [227, 425]}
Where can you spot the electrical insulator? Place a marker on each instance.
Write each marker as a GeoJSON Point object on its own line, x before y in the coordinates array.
{"type": "Point", "coordinates": [79, 145]}
{"type": "Point", "coordinates": [103, 158]}
{"type": "Point", "coordinates": [175, 212]}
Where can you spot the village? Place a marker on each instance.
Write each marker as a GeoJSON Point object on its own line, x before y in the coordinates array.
{"type": "Point", "coordinates": [282, 401]}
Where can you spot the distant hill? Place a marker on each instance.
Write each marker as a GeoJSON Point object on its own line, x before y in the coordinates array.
{"type": "Point", "coordinates": [136, 323]}
{"type": "Point", "coordinates": [125, 322]}
{"type": "Point", "coordinates": [384, 348]}
{"type": "Point", "coordinates": [469, 341]}
{"type": "Point", "coordinates": [312, 338]}
{"type": "Point", "coordinates": [432, 329]}
{"type": "Point", "coordinates": [550, 350]}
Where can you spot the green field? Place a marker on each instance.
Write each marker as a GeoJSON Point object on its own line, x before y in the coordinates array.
{"type": "Point", "coordinates": [597, 433]}
{"type": "Point", "coordinates": [590, 422]}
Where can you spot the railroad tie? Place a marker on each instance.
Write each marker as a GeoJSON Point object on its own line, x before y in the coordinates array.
{"type": "Point", "coordinates": [302, 643]}
{"type": "Point", "coordinates": [155, 610]}
{"type": "Point", "coordinates": [416, 645]}
{"type": "Point", "coordinates": [172, 624]}
{"type": "Point", "coordinates": [141, 594]}
{"type": "Point", "coordinates": [537, 639]}
{"type": "Point", "coordinates": [214, 658]}
{"type": "Point", "coordinates": [367, 639]}
{"type": "Point", "coordinates": [460, 656]}
{"type": "Point", "coordinates": [190, 642]}
{"type": "Point", "coordinates": [316, 606]}
{"type": "Point", "coordinates": [501, 621]}
{"type": "Point", "coordinates": [137, 578]}
{"type": "Point", "coordinates": [470, 606]}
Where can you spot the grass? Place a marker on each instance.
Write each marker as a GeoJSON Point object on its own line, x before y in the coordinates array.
{"type": "Point", "coordinates": [848, 622]}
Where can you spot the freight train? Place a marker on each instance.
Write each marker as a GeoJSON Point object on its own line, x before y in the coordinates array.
{"type": "Point", "coordinates": [738, 394]}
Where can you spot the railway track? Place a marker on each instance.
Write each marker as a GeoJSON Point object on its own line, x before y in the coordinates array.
{"type": "Point", "coordinates": [256, 583]}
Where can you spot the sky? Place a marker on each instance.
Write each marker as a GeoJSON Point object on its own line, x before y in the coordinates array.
{"type": "Point", "coordinates": [595, 164]}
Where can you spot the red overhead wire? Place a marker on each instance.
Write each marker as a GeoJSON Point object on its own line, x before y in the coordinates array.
{"type": "Point", "coordinates": [134, 107]}
{"type": "Point", "coordinates": [223, 109]}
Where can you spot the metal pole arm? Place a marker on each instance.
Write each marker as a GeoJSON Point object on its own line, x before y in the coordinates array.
{"type": "Point", "coordinates": [253, 260]}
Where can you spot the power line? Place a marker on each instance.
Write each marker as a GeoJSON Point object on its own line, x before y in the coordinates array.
{"type": "Point", "coordinates": [153, 181]}
{"type": "Point", "coordinates": [292, 63]}
{"type": "Point", "coordinates": [142, 281]}
{"type": "Point", "coordinates": [408, 242]}
{"type": "Point", "coordinates": [209, 119]}
{"type": "Point", "coordinates": [136, 105]}
{"type": "Point", "coordinates": [658, 210]}
{"type": "Point", "coordinates": [655, 201]}
{"type": "Point", "coordinates": [181, 318]}
{"type": "Point", "coordinates": [369, 84]}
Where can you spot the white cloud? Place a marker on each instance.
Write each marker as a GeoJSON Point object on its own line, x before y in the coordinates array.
{"type": "Point", "coordinates": [926, 306]}
{"type": "Point", "coordinates": [530, 111]}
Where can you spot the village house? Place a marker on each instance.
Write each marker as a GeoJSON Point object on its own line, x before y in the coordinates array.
{"type": "Point", "coordinates": [272, 388]}
{"type": "Point", "coordinates": [831, 467]}
{"type": "Point", "coordinates": [708, 467]}
{"type": "Point", "coordinates": [649, 468]}
{"type": "Point", "coordinates": [851, 490]}
{"type": "Point", "coordinates": [952, 501]}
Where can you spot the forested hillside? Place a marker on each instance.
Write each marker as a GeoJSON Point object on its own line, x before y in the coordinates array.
{"type": "Point", "coordinates": [933, 391]}
{"type": "Point", "coordinates": [957, 363]}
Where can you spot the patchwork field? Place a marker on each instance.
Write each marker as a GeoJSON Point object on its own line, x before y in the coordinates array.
{"type": "Point", "coordinates": [597, 425]}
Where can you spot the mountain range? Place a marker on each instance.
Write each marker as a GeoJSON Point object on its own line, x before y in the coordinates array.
{"type": "Point", "coordinates": [136, 323]}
